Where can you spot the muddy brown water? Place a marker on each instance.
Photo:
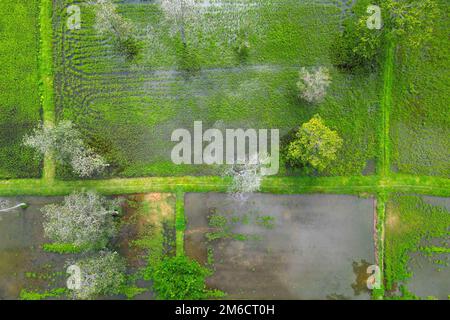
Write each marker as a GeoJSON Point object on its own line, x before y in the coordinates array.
{"type": "Point", "coordinates": [24, 265]}
{"type": "Point", "coordinates": [21, 238]}
{"type": "Point", "coordinates": [319, 247]}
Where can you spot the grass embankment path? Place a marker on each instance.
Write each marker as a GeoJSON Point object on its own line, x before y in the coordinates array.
{"type": "Point", "coordinates": [46, 84]}
{"type": "Point", "coordinates": [384, 163]}
{"type": "Point", "coordinates": [386, 106]}
{"type": "Point", "coordinates": [278, 185]}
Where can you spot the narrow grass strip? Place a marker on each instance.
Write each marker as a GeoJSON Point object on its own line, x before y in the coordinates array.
{"type": "Point", "coordinates": [180, 223]}
{"type": "Point", "coordinates": [386, 106]}
{"type": "Point", "coordinates": [278, 185]}
{"type": "Point", "coordinates": [46, 78]}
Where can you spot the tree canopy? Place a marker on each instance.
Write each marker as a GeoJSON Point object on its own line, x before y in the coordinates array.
{"type": "Point", "coordinates": [315, 145]}
{"type": "Point", "coordinates": [64, 142]}
{"type": "Point", "coordinates": [101, 275]}
{"type": "Point", "coordinates": [409, 22]}
{"type": "Point", "coordinates": [83, 219]}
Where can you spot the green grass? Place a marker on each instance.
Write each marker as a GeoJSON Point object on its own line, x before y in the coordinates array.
{"type": "Point", "coordinates": [69, 248]}
{"type": "Point", "coordinates": [46, 74]}
{"type": "Point", "coordinates": [128, 110]}
{"type": "Point", "coordinates": [19, 86]}
{"type": "Point", "coordinates": [386, 105]}
{"type": "Point", "coordinates": [409, 222]}
{"type": "Point", "coordinates": [180, 223]}
{"type": "Point", "coordinates": [32, 295]}
{"type": "Point", "coordinates": [420, 116]}
{"type": "Point", "coordinates": [276, 185]}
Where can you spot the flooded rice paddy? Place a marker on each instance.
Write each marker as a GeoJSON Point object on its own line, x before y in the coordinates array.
{"type": "Point", "coordinates": [147, 218]}
{"type": "Point", "coordinates": [315, 247]}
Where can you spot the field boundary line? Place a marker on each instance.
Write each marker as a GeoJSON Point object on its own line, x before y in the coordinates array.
{"type": "Point", "coordinates": [46, 79]}
{"type": "Point", "coordinates": [180, 223]}
{"type": "Point", "coordinates": [279, 185]}
{"type": "Point", "coordinates": [386, 104]}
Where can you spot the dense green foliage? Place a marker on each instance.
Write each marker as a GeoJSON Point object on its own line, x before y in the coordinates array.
{"type": "Point", "coordinates": [357, 46]}
{"type": "Point", "coordinates": [315, 145]}
{"type": "Point", "coordinates": [409, 23]}
{"type": "Point", "coordinates": [180, 278]}
{"type": "Point", "coordinates": [19, 86]}
{"type": "Point", "coordinates": [32, 295]}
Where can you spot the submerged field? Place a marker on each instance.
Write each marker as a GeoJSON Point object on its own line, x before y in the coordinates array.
{"type": "Point", "coordinates": [283, 247]}
{"type": "Point", "coordinates": [19, 86]}
{"type": "Point", "coordinates": [417, 247]}
{"type": "Point", "coordinates": [127, 110]}
{"type": "Point", "coordinates": [31, 268]}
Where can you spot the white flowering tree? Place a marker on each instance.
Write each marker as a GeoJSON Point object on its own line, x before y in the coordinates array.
{"type": "Point", "coordinates": [101, 275]}
{"type": "Point", "coordinates": [65, 143]}
{"type": "Point", "coordinates": [313, 85]}
{"type": "Point", "coordinates": [83, 219]}
{"type": "Point", "coordinates": [179, 13]}
{"type": "Point", "coordinates": [246, 178]}
{"type": "Point", "coordinates": [110, 22]}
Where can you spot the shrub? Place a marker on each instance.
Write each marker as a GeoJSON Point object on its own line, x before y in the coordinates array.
{"type": "Point", "coordinates": [409, 22]}
{"type": "Point", "coordinates": [111, 23]}
{"type": "Point", "coordinates": [179, 278]}
{"type": "Point", "coordinates": [130, 47]}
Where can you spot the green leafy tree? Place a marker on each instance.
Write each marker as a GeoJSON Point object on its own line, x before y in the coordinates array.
{"type": "Point", "coordinates": [409, 22]}
{"type": "Point", "coordinates": [179, 278]}
{"type": "Point", "coordinates": [315, 145]}
{"type": "Point", "coordinates": [357, 46]}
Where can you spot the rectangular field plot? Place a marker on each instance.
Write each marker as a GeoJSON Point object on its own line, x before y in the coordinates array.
{"type": "Point", "coordinates": [127, 110]}
{"type": "Point", "coordinates": [283, 247]}
{"type": "Point", "coordinates": [32, 268]}
{"type": "Point", "coordinates": [418, 247]}
{"type": "Point", "coordinates": [421, 114]}
{"type": "Point", "coordinates": [19, 86]}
